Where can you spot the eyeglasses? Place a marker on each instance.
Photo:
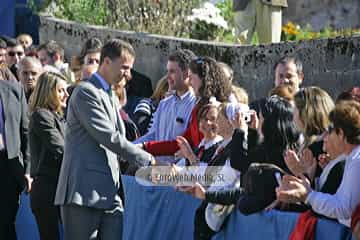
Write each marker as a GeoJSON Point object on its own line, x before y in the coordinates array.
{"type": "Point", "coordinates": [329, 129]}
{"type": "Point", "coordinates": [12, 54]}
{"type": "Point", "coordinates": [199, 60]}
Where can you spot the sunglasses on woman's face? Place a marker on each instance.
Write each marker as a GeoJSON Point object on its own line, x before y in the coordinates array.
{"type": "Point", "coordinates": [199, 60]}
{"type": "Point", "coordinates": [12, 54]}
{"type": "Point", "coordinates": [330, 129]}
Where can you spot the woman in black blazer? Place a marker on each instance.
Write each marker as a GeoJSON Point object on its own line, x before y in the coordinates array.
{"type": "Point", "coordinates": [46, 136]}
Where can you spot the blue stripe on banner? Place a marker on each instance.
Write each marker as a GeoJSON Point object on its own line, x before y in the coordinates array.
{"type": "Point", "coordinates": [162, 213]}
{"type": "Point", "coordinates": [7, 13]}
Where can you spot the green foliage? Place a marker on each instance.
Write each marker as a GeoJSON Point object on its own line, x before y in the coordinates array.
{"type": "Point", "coordinates": [225, 7]}
{"type": "Point", "coordinates": [169, 17]}
{"type": "Point", "coordinates": [166, 17]}
{"type": "Point", "coordinates": [293, 32]}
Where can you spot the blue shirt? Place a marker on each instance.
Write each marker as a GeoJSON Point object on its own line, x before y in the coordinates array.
{"type": "Point", "coordinates": [102, 81]}
{"type": "Point", "coordinates": [171, 119]}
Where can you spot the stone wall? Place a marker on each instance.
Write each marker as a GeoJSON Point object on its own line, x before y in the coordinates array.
{"type": "Point", "coordinates": [333, 64]}
{"type": "Point", "coordinates": [322, 13]}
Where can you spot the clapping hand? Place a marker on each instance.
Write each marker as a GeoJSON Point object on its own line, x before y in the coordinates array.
{"type": "Point", "coordinates": [196, 191]}
{"type": "Point", "coordinates": [293, 189]}
{"type": "Point", "coordinates": [185, 150]}
{"type": "Point", "coordinates": [324, 159]}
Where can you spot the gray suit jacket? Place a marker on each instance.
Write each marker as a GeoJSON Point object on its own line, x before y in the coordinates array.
{"type": "Point", "coordinates": [16, 128]}
{"type": "Point", "coordinates": [94, 137]}
{"type": "Point", "coordinates": [240, 5]}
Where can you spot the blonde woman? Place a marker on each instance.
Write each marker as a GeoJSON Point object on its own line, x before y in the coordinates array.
{"type": "Point", "coordinates": [312, 108]}
{"type": "Point", "coordinates": [46, 136]}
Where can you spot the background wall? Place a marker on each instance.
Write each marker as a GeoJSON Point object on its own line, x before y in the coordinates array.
{"type": "Point", "coordinates": [333, 64]}
{"type": "Point", "coordinates": [322, 13]}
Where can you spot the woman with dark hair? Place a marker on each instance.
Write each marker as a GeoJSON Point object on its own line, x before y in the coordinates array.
{"type": "Point", "coordinates": [208, 80]}
{"type": "Point", "coordinates": [46, 137]}
{"type": "Point", "coordinates": [277, 133]}
{"type": "Point", "coordinates": [258, 183]}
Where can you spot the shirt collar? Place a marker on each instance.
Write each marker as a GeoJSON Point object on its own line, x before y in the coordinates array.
{"type": "Point", "coordinates": [102, 81]}
{"type": "Point", "coordinates": [355, 153]}
{"type": "Point", "coordinates": [182, 96]}
{"type": "Point", "coordinates": [327, 169]}
{"type": "Point", "coordinates": [210, 143]}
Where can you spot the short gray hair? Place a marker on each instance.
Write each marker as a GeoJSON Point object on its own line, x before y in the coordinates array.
{"type": "Point", "coordinates": [30, 61]}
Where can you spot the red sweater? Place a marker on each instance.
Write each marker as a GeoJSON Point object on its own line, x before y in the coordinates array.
{"type": "Point", "coordinates": [166, 148]}
{"type": "Point", "coordinates": [305, 227]}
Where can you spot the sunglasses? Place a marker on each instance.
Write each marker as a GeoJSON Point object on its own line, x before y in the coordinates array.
{"type": "Point", "coordinates": [12, 54]}
{"type": "Point", "coordinates": [199, 60]}
{"type": "Point", "coordinates": [330, 129]}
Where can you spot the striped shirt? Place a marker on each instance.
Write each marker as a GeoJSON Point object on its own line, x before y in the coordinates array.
{"type": "Point", "coordinates": [171, 119]}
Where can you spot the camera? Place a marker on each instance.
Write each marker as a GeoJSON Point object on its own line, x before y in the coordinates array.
{"type": "Point", "coordinates": [244, 109]}
{"type": "Point", "coordinates": [247, 116]}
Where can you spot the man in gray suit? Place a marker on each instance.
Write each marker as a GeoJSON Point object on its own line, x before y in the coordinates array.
{"type": "Point", "coordinates": [264, 16]}
{"type": "Point", "coordinates": [89, 188]}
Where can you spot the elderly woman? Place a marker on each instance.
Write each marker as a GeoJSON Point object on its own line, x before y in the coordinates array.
{"type": "Point", "coordinates": [46, 135]}
{"type": "Point", "coordinates": [344, 135]}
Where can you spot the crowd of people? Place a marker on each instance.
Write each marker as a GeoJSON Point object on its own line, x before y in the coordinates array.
{"type": "Point", "coordinates": [68, 132]}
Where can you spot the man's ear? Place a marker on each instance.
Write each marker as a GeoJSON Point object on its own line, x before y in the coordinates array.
{"type": "Point", "coordinates": [341, 134]}
{"type": "Point", "coordinates": [301, 77]}
{"type": "Point", "coordinates": [186, 73]}
{"type": "Point", "coordinates": [56, 57]}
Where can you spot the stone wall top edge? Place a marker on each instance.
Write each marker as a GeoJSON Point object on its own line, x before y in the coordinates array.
{"type": "Point", "coordinates": [154, 37]}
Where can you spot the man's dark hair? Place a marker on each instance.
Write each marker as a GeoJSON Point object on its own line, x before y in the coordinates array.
{"type": "Point", "coordinates": [92, 45]}
{"type": "Point", "coordinates": [11, 42]}
{"type": "Point", "coordinates": [116, 48]}
{"type": "Point", "coordinates": [3, 44]}
{"type": "Point", "coordinates": [183, 57]}
{"type": "Point", "coordinates": [298, 63]}
{"type": "Point", "coordinates": [52, 47]}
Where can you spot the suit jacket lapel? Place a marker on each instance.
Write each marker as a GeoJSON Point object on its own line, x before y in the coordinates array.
{"type": "Point", "coordinates": [119, 121]}
{"type": "Point", "coordinates": [59, 124]}
{"type": "Point", "coordinates": [6, 104]}
{"type": "Point", "coordinates": [105, 97]}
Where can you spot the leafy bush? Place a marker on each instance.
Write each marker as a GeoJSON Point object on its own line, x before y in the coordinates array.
{"type": "Point", "coordinates": [166, 17]}
{"type": "Point", "coordinates": [293, 32]}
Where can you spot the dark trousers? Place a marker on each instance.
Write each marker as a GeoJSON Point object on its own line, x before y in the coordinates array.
{"type": "Point", "coordinates": [9, 200]}
{"type": "Point", "coordinates": [47, 215]}
{"type": "Point", "coordinates": [82, 222]}
{"type": "Point", "coordinates": [201, 230]}
{"type": "Point", "coordinates": [47, 219]}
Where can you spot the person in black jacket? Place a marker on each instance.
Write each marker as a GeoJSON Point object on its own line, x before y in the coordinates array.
{"type": "Point", "coordinates": [46, 133]}
{"type": "Point", "coordinates": [14, 155]}
{"type": "Point", "coordinates": [268, 137]}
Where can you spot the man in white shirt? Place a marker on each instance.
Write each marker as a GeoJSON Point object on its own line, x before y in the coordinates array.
{"type": "Point", "coordinates": [173, 114]}
{"type": "Point", "coordinates": [344, 136]}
